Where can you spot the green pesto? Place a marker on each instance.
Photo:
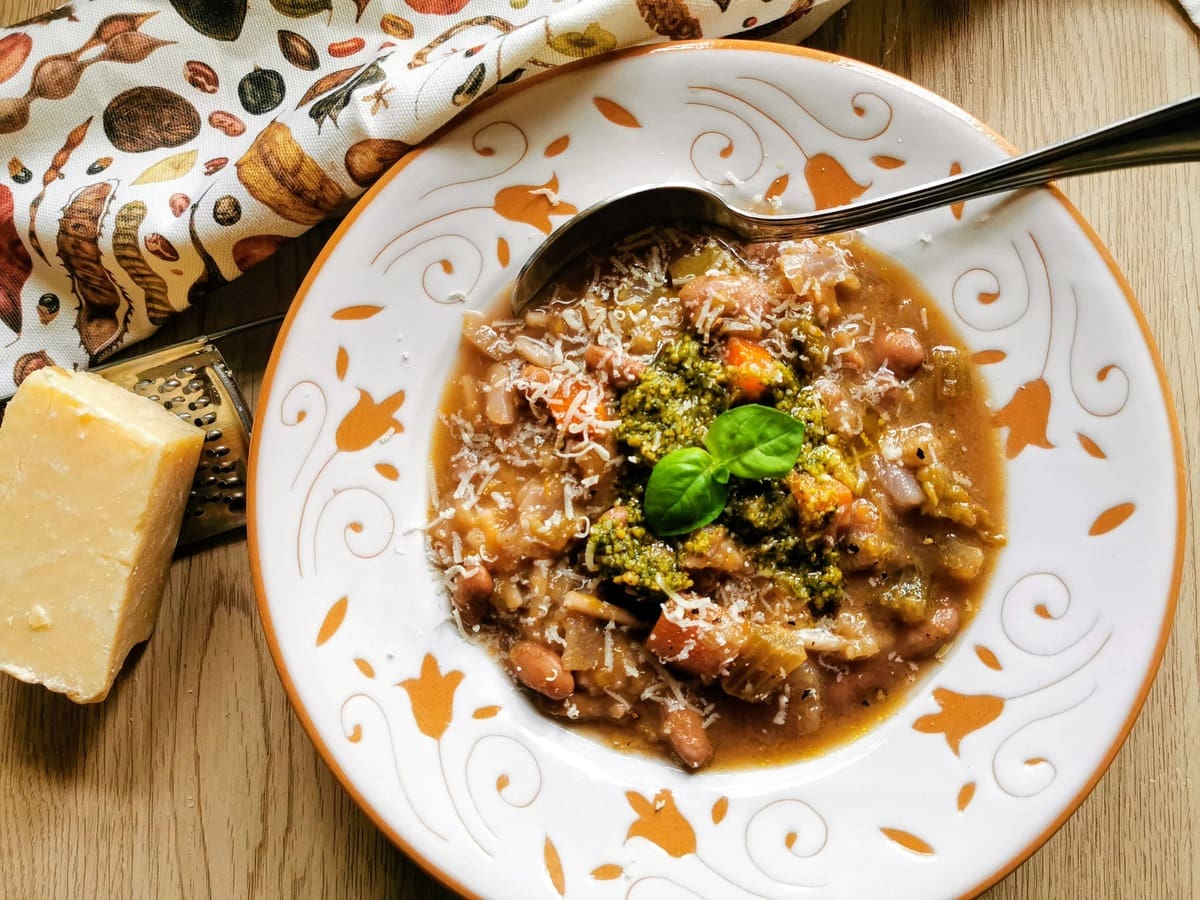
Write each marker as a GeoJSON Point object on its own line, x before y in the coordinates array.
{"type": "Point", "coordinates": [674, 403]}
{"type": "Point", "coordinates": [672, 407]}
{"type": "Point", "coordinates": [760, 508]}
{"type": "Point", "coordinates": [802, 402]}
{"type": "Point", "coordinates": [626, 553]}
{"type": "Point", "coordinates": [819, 458]}
{"type": "Point", "coordinates": [764, 518]}
{"type": "Point", "coordinates": [699, 542]}
{"type": "Point", "coordinates": [820, 586]}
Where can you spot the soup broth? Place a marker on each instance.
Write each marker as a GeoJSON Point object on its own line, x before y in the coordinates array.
{"type": "Point", "coordinates": [802, 610]}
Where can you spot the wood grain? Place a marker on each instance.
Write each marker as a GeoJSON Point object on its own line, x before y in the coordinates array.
{"type": "Point", "coordinates": [195, 779]}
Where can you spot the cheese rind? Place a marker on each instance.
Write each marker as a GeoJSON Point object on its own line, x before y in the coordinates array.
{"type": "Point", "coordinates": [93, 484]}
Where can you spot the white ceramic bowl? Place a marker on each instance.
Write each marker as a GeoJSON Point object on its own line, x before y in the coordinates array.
{"type": "Point", "coordinates": [987, 756]}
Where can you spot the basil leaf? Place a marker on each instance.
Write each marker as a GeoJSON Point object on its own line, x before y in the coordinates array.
{"type": "Point", "coordinates": [684, 492]}
{"type": "Point", "coordinates": [756, 441]}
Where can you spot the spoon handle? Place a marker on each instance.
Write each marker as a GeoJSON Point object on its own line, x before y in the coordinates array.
{"type": "Point", "coordinates": [1168, 134]}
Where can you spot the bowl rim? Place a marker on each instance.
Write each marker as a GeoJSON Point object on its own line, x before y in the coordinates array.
{"type": "Point", "coordinates": [714, 44]}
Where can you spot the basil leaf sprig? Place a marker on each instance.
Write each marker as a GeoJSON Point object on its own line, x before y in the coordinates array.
{"type": "Point", "coordinates": [688, 488]}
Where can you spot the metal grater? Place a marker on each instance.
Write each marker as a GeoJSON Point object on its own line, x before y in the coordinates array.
{"type": "Point", "coordinates": [193, 381]}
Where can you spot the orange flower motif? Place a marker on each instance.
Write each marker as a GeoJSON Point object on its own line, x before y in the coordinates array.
{"type": "Point", "coordinates": [961, 714]}
{"type": "Point", "coordinates": [661, 823]}
{"type": "Point", "coordinates": [533, 204]}
{"type": "Point", "coordinates": [368, 421]}
{"type": "Point", "coordinates": [1026, 416]}
{"type": "Point", "coordinates": [830, 183]}
{"type": "Point", "coordinates": [432, 697]}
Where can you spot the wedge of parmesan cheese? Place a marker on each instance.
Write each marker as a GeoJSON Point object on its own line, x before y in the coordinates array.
{"type": "Point", "coordinates": [93, 485]}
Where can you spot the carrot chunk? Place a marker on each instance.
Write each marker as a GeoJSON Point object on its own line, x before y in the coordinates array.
{"type": "Point", "coordinates": [752, 368]}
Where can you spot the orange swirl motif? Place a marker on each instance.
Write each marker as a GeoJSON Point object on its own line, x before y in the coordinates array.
{"type": "Point", "coordinates": [445, 265]}
{"type": "Point", "coordinates": [293, 414]}
{"type": "Point", "coordinates": [480, 144]}
{"type": "Point", "coordinates": [829, 183]}
{"type": "Point", "coordinates": [535, 205]}
{"type": "Point", "coordinates": [1027, 413]}
{"type": "Point", "coordinates": [431, 695]}
{"type": "Point", "coordinates": [1102, 374]}
{"type": "Point", "coordinates": [518, 786]}
{"type": "Point", "coordinates": [354, 730]}
{"type": "Point", "coordinates": [660, 822]}
{"type": "Point", "coordinates": [727, 149]}
{"type": "Point", "coordinates": [1007, 783]}
{"type": "Point", "coordinates": [859, 104]}
{"type": "Point", "coordinates": [356, 526]}
{"type": "Point", "coordinates": [1054, 591]}
{"type": "Point", "coordinates": [802, 830]}
{"type": "Point", "coordinates": [1045, 603]}
{"type": "Point", "coordinates": [986, 289]}
{"type": "Point", "coordinates": [367, 422]}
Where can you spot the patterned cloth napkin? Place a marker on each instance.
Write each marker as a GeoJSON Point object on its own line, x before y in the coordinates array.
{"type": "Point", "coordinates": [151, 151]}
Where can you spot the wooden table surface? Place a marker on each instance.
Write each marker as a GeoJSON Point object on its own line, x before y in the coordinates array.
{"type": "Point", "coordinates": [195, 779]}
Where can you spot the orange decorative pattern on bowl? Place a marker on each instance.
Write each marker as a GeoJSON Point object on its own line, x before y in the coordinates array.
{"type": "Point", "coordinates": [987, 756]}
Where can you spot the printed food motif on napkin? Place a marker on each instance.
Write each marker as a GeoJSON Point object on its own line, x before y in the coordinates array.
{"type": "Point", "coordinates": [154, 151]}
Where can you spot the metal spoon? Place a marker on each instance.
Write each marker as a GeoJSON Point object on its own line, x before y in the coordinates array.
{"type": "Point", "coordinates": [1165, 135]}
